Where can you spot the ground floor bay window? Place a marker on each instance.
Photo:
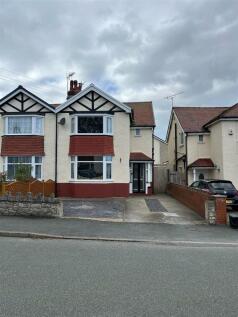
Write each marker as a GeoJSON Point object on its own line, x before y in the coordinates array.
{"type": "Point", "coordinates": [12, 162]}
{"type": "Point", "coordinates": [91, 168]}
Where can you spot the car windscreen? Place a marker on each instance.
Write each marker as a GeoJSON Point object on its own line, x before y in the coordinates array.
{"type": "Point", "coordinates": [222, 185]}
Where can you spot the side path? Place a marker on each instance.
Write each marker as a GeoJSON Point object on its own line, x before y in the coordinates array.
{"type": "Point", "coordinates": [140, 231]}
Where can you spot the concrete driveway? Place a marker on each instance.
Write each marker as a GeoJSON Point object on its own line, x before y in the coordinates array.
{"type": "Point", "coordinates": [142, 209]}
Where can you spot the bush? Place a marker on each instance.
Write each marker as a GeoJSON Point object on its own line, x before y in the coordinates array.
{"type": "Point", "coordinates": [23, 173]}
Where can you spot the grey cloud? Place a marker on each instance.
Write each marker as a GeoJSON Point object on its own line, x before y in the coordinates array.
{"type": "Point", "coordinates": [140, 48]}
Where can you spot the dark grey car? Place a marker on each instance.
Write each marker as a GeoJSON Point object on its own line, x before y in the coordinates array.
{"type": "Point", "coordinates": [219, 187]}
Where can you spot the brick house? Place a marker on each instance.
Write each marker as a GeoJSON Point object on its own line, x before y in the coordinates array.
{"type": "Point", "coordinates": [203, 143]}
{"type": "Point", "coordinates": [92, 145]}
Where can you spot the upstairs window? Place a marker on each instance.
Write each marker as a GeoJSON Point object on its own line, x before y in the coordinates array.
{"type": "Point", "coordinates": [91, 124]}
{"type": "Point", "coordinates": [181, 138]}
{"type": "Point", "coordinates": [137, 132]}
{"type": "Point", "coordinates": [26, 125]}
{"type": "Point", "coordinates": [200, 138]}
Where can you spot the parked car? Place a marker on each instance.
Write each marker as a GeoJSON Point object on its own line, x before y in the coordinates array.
{"type": "Point", "coordinates": [219, 187]}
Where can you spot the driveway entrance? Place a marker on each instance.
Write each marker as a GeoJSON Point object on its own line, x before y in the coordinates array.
{"type": "Point", "coordinates": [142, 209]}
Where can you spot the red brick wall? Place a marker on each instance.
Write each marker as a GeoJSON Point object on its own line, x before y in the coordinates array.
{"type": "Point", "coordinates": [196, 200]}
{"type": "Point", "coordinates": [91, 145]}
{"type": "Point", "coordinates": [92, 190]}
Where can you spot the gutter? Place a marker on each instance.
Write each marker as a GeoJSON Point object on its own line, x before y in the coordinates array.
{"type": "Point", "coordinates": [56, 154]}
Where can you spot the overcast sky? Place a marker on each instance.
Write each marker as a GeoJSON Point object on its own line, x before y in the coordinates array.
{"type": "Point", "coordinates": [133, 49]}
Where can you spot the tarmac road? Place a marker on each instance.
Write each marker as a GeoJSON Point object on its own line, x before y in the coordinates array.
{"type": "Point", "coordinates": [88, 278]}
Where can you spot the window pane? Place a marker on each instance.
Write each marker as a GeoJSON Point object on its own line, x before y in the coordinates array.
{"type": "Point", "coordinates": [72, 170]}
{"type": "Point", "coordinates": [90, 171]}
{"type": "Point", "coordinates": [10, 172]}
{"type": "Point", "coordinates": [109, 125]}
{"type": "Point", "coordinates": [38, 128]}
{"type": "Point", "coordinates": [72, 125]}
{"type": "Point", "coordinates": [90, 124]}
{"type": "Point", "coordinates": [90, 158]}
{"type": "Point", "coordinates": [38, 171]}
{"type": "Point", "coordinates": [108, 158]}
{"type": "Point", "coordinates": [20, 125]}
{"type": "Point", "coordinates": [109, 171]}
{"type": "Point", "coordinates": [38, 159]}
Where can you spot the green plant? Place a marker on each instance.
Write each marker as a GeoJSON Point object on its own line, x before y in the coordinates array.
{"type": "Point", "coordinates": [23, 173]}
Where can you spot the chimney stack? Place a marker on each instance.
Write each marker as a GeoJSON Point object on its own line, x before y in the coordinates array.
{"type": "Point", "coordinates": [74, 88]}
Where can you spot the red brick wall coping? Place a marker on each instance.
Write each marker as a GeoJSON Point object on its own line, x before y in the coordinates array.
{"type": "Point", "coordinates": [91, 145]}
{"type": "Point", "coordinates": [196, 200]}
{"type": "Point", "coordinates": [22, 145]}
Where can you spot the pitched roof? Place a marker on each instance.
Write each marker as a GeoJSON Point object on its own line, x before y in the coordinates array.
{"type": "Point", "coordinates": [143, 114]}
{"type": "Point", "coordinates": [202, 162]}
{"type": "Point", "coordinates": [229, 112]}
{"type": "Point", "coordinates": [139, 156]}
{"type": "Point", "coordinates": [193, 119]}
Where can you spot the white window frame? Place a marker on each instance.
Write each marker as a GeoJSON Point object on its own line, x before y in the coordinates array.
{"type": "Point", "coordinates": [106, 160]}
{"type": "Point", "coordinates": [33, 124]}
{"type": "Point", "coordinates": [33, 164]}
{"type": "Point", "coordinates": [106, 118]}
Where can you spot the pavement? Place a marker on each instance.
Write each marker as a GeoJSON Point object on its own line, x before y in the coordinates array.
{"type": "Point", "coordinates": [93, 279]}
{"type": "Point", "coordinates": [159, 208]}
{"type": "Point", "coordinates": [89, 229]}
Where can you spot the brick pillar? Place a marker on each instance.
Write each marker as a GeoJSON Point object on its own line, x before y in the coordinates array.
{"type": "Point", "coordinates": [221, 213]}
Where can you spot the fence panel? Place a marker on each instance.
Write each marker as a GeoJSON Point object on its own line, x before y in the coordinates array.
{"type": "Point", "coordinates": [36, 187]}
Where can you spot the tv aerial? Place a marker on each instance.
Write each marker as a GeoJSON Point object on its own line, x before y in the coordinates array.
{"type": "Point", "coordinates": [171, 97]}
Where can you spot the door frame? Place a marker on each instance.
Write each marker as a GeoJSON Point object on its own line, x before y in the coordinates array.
{"type": "Point", "coordinates": [139, 165]}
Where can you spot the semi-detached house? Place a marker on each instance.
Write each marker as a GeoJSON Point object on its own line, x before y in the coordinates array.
{"type": "Point", "coordinates": [203, 143]}
{"type": "Point", "coordinates": [92, 145]}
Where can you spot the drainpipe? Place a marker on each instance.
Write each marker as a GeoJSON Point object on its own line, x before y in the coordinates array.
{"type": "Point", "coordinates": [153, 154]}
{"type": "Point", "coordinates": [56, 153]}
{"type": "Point", "coordinates": [186, 162]}
{"type": "Point", "coordinates": [175, 147]}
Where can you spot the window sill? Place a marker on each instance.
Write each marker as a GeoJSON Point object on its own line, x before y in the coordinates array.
{"type": "Point", "coordinates": [110, 134]}
{"type": "Point", "coordinates": [24, 134]}
{"type": "Point", "coordinates": [91, 181]}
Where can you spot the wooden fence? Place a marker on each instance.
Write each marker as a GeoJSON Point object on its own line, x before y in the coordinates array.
{"type": "Point", "coordinates": [45, 188]}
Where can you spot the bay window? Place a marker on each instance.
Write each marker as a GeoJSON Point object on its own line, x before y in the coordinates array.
{"type": "Point", "coordinates": [25, 125]}
{"type": "Point", "coordinates": [91, 168]}
{"type": "Point", "coordinates": [91, 124]}
{"type": "Point", "coordinates": [34, 163]}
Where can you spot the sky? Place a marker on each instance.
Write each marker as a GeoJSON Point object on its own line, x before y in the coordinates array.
{"type": "Point", "coordinates": [135, 50]}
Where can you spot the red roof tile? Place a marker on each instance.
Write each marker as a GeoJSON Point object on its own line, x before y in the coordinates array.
{"type": "Point", "coordinates": [91, 145]}
{"type": "Point", "coordinates": [22, 145]}
{"type": "Point", "coordinates": [139, 156]}
{"type": "Point", "coordinates": [192, 119]}
{"type": "Point", "coordinates": [202, 162]}
{"type": "Point", "coordinates": [143, 114]}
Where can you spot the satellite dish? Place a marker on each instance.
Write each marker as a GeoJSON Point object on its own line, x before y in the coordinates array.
{"type": "Point", "coordinates": [62, 121]}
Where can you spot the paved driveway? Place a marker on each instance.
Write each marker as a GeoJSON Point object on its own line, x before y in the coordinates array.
{"type": "Point", "coordinates": [144, 209]}
{"type": "Point", "coordinates": [94, 208]}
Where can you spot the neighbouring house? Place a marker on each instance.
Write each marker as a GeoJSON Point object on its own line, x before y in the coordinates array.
{"type": "Point", "coordinates": [161, 151]}
{"type": "Point", "coordinates": [203, 143]}
{"type": "Point", "coordinates": [92, 145]}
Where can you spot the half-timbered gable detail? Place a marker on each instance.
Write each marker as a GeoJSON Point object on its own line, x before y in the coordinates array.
{"type": "Point", "coordinates": [92, 100]}
{"type": "Point", "coordinates": [22, 101]}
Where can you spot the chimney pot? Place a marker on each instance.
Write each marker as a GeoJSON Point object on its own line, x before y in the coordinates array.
{"type": "Point", "coordinates": [75, 88]}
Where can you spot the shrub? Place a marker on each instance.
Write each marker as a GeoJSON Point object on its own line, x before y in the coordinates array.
{"type": "Point", "coordinates": [23, 173]}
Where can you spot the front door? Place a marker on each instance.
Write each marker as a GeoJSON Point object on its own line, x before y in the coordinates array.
{"type": "Point", "coordinates": [138, 177]}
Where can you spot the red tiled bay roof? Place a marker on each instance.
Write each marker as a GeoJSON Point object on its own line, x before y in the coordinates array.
{"type": "Point", "coordinates": [139, 156]}
{"type": "Point", "coordinates": [192, 119]}
{"type": "Point", "coordinates": [202, 162]}
{"type": "Point", "coordinates": [91, 145]}
{"type": "Point", "coordinates": [22, 145]}
{"type": "Point", "coordinates": [143, 114]}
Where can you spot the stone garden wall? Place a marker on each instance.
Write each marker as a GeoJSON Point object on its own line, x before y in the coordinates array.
{"type": "Point", "coordinates": [29, 206]}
